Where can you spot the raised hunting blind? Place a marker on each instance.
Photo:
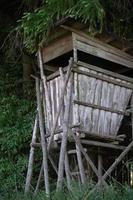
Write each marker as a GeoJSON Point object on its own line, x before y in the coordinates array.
{"type": "Point", "coordinates": [84, 110]}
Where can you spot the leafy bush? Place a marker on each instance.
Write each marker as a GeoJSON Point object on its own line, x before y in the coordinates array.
{"type": "Point", "coordinates": [16, 119]}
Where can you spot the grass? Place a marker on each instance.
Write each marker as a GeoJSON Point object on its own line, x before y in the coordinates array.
{"type": "Point", "coordinates": [111, 192]}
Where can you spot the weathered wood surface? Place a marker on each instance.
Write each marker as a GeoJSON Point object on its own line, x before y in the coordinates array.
{"type": "Point", "coordinates": [43, 141]}
{"type": "Point", "coordinates": [104, 71]}
{"type": "Point", "coordinates": [55, 123]}
{"type": "Point", "coordinates": [102, 50]}
{"type": "Point", "coordinates": [107, 138]}
{"type": "Point", "coordinates": [82, 36]}
{"type": "Point", "coordinates": [31, 157]}
{"type": "Point", "coordinates": [76, 118]}
{"type": "Point", "coordinates": [57, 48]}
{"type": "Point", "coordinates": [101, 100]}
{"type": "Point", "coordinates": [65, 135]}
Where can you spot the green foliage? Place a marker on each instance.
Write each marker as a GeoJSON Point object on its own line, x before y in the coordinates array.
{"type": "Point", "coordinates": [114, 17]}
{"type": "Point", "coordinates": [16, 119]}
{"type": "Point", "coordinates": [106, 193]}
{"type": "Point", "coordinates": [36, 25]}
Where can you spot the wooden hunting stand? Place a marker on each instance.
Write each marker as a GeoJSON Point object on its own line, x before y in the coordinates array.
{"type": "Point", "coordinates": [80, 109]}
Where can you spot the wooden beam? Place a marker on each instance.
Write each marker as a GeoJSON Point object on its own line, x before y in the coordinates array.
{"type": "Point", "coordinates": [102, 144]}
{"type": "Point", "coordinates": [97, 76]}
{"type": "Point", "coordinates": [95, 51]}
{"type": "Point", "coordinates": [57, 48]}
{"type": "Point", "coordinates": [96, 136]}
{"type": "Point", "coordinates": [95, 68]}
{"type": "Point", "coordinates": [99, 44]}
{"type": "Point", "coordinates": [100, 107]}
{"type": "Point", "coordinates": [104, 71]}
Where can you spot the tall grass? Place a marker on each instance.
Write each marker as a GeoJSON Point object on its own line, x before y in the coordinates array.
{"type": "Point", "coordinates": [111, 192]}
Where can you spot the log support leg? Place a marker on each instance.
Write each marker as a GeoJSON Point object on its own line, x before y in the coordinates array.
{"type": "Point", "coordinates": [100, 166]}
{"type": "Point", "coordinates": [31, 157]}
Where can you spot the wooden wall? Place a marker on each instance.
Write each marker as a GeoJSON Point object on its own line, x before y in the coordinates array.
{"type": "Point", "coordinates": [99, 98]}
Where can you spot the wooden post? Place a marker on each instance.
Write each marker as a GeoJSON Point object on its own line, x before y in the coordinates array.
{"type": "Point", "coordinates": [76, 120]}
{"type": "Point", "coordinates": [52, 163]}
{"type": "Point", "coordinates": [60, 103]}
{"type": "Point", "coordinates": [64, 138]}
{"type": "Point", "coordinates": [80, 164]}
{"type": "Point", "coordinates": [85, 154]}
{"type": "Point", "coordinates": [67, 171]}
{"type": "Point", "coordinates": [41, 172]}
{"type": "Point", "coordinates": [67, 167]}
{"type": "Point", "coordinates": [31, 157]}
{"type": "Point", "coordinates": [39, 179]}
{"type": "Point", "coordinates": [75, 55]}
{"type": "Point", "coordinates": [43, 77]}
{"type": "Point", "coordinates": [100, 166]}
{"type": "Point", "coordinates": [43, 142]}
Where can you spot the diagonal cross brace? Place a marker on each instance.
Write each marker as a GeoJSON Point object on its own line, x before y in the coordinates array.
{"type": "Point", "coordinates": [111, 168]}
{"type": "Point", "coordinates": [85, 154]}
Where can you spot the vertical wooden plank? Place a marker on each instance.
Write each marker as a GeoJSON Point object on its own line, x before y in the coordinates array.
{"type": "Point", "coordinates": [49, 115]}
{"type": "Point", "coordinates": [102, 121]}
{"type": "Point", "coordinates": [75, 54]}
{"type": "Point", "coordinates": [51, 84]}
{"type": "Point", "coordinates": [100, 101]}
{"type": "Point", "coordinates": [97, 99]}
{"type": "Point", "coordinates": [105, 103]}
{"type": "Point", "coordinates": [86, 93]}
{"type": "Point", "coordinates": [61, 84]}
{"type": "Point", "coordinates": [58, 97]}
{"type": "Point", "coordinates": [92, 101]}
{"type": "Point", "coordinates": [121, 105]}
{"type": "Point", "coordinates": [114, 116]}
{"type": "Point", "coordinates": [109, 105]}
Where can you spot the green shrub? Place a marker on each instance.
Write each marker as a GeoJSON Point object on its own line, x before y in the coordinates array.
{"type": "Point", "coordinates": [16, 121]}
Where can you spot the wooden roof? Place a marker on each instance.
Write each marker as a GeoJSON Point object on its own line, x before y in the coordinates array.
{"type": "Point", "coordinates": [102, 45]}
